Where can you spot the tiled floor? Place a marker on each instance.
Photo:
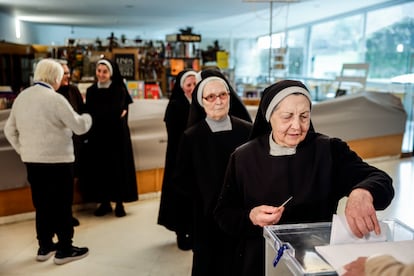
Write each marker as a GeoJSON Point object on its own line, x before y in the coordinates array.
{"type": "Point", "coordinates": [136, 245]}
{"type": "Point", "coordinates": [132, 245]}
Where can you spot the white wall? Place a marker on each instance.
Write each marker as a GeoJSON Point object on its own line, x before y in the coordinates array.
{"type": "Point", "coordinates": [241, 57]}
{"type": "Point", "coordinates": [58, 35]}
{"type": "Point", "coordinates": [44, 34]}
{"type": "Point", "coordinates": [8, 30]}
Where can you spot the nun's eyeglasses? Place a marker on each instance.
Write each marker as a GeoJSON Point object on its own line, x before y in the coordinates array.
{"type": "Point", "coordinates": [213, 97]}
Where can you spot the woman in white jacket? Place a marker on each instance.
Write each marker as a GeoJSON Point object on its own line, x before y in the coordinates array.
{"type": "Point", "coordinates": [40, 129]}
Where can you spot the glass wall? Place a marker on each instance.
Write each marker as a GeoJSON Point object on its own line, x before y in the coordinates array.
{"type": "Point", "coordinates": [334, 43]}
{"type": "Point", "coordinates": [297, 49]}
{"type": "Point", "coordinates": [382, 36]}
{"type": "Point", "coordinates": [390, 43]}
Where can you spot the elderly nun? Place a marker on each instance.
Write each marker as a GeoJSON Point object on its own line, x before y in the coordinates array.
{"type": "Point", "coordinates": [202, 160]}
{"type": "Point", "coordinates": [285, 157]}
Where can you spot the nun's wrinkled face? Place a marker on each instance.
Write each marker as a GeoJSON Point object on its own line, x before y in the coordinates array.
{"type": "Point", "coordinates": [102, 73]}
{"type": "Point", "coordinates": [188, 86]}
{"type": "Point", "coordinates": [290, 120]}
{"type": "Point", "coordinates": [216, 100]}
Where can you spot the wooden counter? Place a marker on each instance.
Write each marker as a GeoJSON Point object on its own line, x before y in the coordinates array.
{"type": "Point", "coordinates": [17, 201]}
{"type": "Point", "coordinates": [369, 135]}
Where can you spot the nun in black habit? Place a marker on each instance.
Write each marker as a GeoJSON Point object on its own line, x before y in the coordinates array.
{"type": "Point", "coordinates": [285, 157]}
{"type": "Point", "coordinates": [108, 167]}
{"type": "Point", "coordinates": [202, 160]}
{"type": "Point", "coordinates": [175, 118]}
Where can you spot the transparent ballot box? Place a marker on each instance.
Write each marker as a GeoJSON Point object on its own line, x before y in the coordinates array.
{"type": "Point", "coordinates": [290, 248]}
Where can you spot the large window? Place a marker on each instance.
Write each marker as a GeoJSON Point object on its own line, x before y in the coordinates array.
{"type": "Point", "coordinates": [390, 43]}
{"type": "Point", "coordinates": [287, 56]}
{"type": "Point", "coordinates": [383, 37]}
{"type": "Point", "coordinates": [334, 43]}
{"type": "Point", "coordinates": [297, 48]}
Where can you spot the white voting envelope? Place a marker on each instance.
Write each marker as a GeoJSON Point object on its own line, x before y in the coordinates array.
{"type": "Point", "coordinates": [341, 233]}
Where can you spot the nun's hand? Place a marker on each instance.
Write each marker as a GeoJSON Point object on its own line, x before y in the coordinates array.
{"type": "Point", "coordinates": [360, 213]}
{"type": "Point", "coordinates": [265, 215]}
{"type": "Point", "coordinates": [124, 112]}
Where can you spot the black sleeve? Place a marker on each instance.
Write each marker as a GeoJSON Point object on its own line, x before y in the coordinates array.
{"type": "Point", "coordinates": [78, 99]}
{"type": "Point", "coordinates": [126, 98]}
{"type": "Point", "coordinates": [175, 121]}
{"type": "Point", "coordinates": [230, 213]}
{"type": "Point", "coordinates": [183, 183]}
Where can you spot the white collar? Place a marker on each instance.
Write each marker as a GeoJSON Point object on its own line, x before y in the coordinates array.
{"type": "Point", "coordinates": [278, 150]}
{"type": "Point", "coordinates": [104, 84]}
{"type": "Point", "coordinates": [219, 125]}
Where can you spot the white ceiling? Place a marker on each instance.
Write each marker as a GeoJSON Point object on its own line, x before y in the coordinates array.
{"type": "Point", "coordinates": [155, 18]}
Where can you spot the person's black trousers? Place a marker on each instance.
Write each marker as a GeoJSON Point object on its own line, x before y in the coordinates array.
{"type": "Point", "coordinates": [52, 196]}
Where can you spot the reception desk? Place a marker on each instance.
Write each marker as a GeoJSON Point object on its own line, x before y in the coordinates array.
{"type": "Point", "coordinates": [372, 123]}
{"type": "Point", "coordinates": [149, 141]}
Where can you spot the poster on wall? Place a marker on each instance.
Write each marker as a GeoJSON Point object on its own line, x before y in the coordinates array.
{"type": "Point", "coordinates": [136, 89]}
{"type": "Point", "coordinates": [127, 62]}
{"type": "Point", "coordinates": [222, 58]}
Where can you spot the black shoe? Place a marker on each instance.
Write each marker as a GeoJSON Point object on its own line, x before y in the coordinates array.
{"type": "Point", "coordinates": [103, 209]}
{"type": "Point", "coordinates": [75, 221]}
{"type": "Point", "coordinates": [43, 254]}
{"type": "Point", "coordinates": [119, 210]}
{"type": "Point", "coordinates": [184, 241]}
{"type": "Point", "coordinates": [73, 254]}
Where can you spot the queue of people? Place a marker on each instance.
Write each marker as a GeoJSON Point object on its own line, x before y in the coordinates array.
{"type": "Point", "coordinates": [230, 188]}
{"type": "Point", "coordinates": [225, 177]}
{"type": "Point", "coordinates": [285, 157]}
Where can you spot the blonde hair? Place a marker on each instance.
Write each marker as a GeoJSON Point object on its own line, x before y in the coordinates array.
{"type": "Point", "coordinates": [48, 71]}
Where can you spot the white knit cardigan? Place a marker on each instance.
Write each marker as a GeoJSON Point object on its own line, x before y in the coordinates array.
{"type": "Point", "coordinates": [41, 124]}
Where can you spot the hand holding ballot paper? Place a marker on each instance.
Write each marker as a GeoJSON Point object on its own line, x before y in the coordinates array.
{"type": "Point", "coordinates": [267, 215]}
{"type": "Point", "coordinates": [360, 213]}
{"type": "Point", "coordinates": [341, 233]}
